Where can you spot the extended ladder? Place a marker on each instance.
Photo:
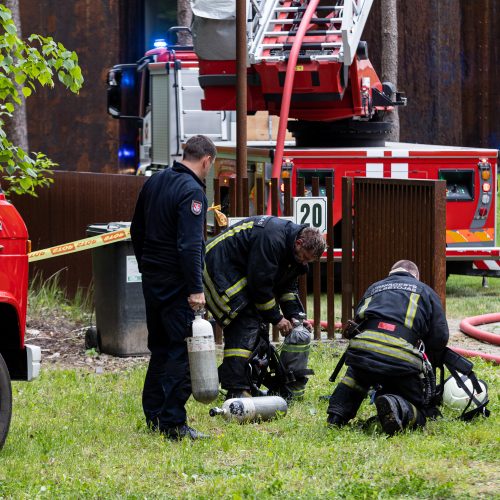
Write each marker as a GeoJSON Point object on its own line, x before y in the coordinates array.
{"type": "Point", "coordinates": [333, 35]}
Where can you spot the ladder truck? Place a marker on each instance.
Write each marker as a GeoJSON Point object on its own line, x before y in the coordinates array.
{"type": "Point", "coordinates": [338, 113]}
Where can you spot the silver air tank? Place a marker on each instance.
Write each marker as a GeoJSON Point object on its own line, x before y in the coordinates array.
{"type": "Point", "coordinates": [202, 360]}
{"type": "Point", "coordinates": [251, 409]}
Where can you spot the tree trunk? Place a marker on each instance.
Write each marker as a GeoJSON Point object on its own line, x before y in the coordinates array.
{"type": "Point", "coordinates": [17, 127]}
{"type": "Point", "coordinates": [184, 18]}
{"type": "Point", "coordinates": [390, 55]}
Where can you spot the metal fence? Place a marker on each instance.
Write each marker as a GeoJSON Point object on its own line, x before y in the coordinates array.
{"type": "Point", "coordinates": [394, 219]}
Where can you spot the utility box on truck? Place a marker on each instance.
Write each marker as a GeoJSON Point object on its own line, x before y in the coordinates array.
{"type": "Point", "coordinates": [119, 303]}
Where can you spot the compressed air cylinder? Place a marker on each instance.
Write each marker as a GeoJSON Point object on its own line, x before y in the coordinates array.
{"type": "Point", "coordinates": [202, 361]}
{"type": "Point", "coordinates": [251, 409]}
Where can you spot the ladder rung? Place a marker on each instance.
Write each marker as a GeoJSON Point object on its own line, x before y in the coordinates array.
{"type": "Point", "coordinates": [303, 9]}
{"type": "Point", "coordinates": [305, 45]}
{"type": "Point", "coordinates": [315, 20]}
{"type": "Point", "coordinates": [308, 33]}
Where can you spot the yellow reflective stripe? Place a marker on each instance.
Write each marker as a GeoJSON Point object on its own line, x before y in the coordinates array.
{"type": "Point", "coordinates": [227, 234]}
{"type": "Point", "coordinates": [211, 305]}
{"type": "Point", "coordinates": [287, 297]}
{"type": "Point", "coordinates": [412, 310]}
{"type": "Point", "coordinates": [392, 352]}
{"type": "Point", "coordinates": [361, 312]}
{"type": "Point", "coordinates": [384, 338]}
{"type": "Point", "coordinates": [240, 353]}
{"type": "Point", "coordinates": [226, 322]}
{"type": "Point", "coordinates": [296, 348]}
{"type": "Point", "coordinates": [267, 305]}
{"type": "Point", "coordinates": [215, 296]}
{"type": "Point", "coordinates": [239, 285]}
{"type": "Point", "coordinates": [350, 382]}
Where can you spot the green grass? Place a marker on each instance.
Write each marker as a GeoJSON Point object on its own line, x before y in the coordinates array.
{"type": "Point", "coordinates": [46, 296]}
{"type": "Point", "coordinates": [81, 435]}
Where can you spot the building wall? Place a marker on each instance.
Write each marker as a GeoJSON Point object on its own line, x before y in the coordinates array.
{"type": "Point", "coordinates": [75, 130]}
{"type": "Point", "coordinates": [448, 65]}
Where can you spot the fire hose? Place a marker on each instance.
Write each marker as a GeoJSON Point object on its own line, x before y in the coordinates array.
{"type": "Point", "coordinates": [468, 326]}
{"type": "Point", "coordinates": [287, 94]}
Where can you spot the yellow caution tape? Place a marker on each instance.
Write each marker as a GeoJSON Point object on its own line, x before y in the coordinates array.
{"type": "Point", "coordinates": [219, 216]}
{"type": "Point", "coordinates": [79, 245]}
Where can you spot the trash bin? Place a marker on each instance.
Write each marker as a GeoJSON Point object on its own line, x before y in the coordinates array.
{"type": "Point", "coordinates": [119, 304]}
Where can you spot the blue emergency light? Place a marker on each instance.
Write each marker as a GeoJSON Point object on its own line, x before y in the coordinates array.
{"type": "Point", "coordinates": [160, 43]}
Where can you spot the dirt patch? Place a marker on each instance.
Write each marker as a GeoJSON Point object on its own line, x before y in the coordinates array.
{"type": "Point", "coordinates": [63, 345]}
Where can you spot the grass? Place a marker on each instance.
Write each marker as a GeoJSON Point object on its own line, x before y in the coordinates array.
{"type": "Point", "coordinates": [81, 435]}
{"type": "Point", "coordinates": [47, 297]}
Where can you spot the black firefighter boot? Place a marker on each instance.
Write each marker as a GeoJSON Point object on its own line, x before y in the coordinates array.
{"type": "Point", "coordinates": [396, 414]}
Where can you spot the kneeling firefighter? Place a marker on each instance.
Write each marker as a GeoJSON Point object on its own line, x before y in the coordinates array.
{"type": "Point", "coordinates": [250, 280]}
{"type": "Point", "coordinates": [399, 332]}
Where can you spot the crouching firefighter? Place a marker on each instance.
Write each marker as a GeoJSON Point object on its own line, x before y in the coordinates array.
{"type": "Point", "coordinates": [250, 280]}
{"type": "Point", "coordinates": [399, 332]}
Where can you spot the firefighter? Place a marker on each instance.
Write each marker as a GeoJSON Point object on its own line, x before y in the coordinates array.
{"type": "Point", "coordinates": [251, 271]}
{"type": "Point", "coordinates": [401, 328]}
{"type": "Point", "coordinates": [168, 238]}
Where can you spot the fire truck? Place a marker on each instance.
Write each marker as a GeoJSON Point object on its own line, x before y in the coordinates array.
{"type": "Point", "coordinates": [18, 361]}
{"type": "Point", "coordinates": [338, 114]}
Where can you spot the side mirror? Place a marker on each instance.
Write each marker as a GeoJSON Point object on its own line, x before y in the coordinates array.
{"type": "Point", "coordinates": [123, 91]}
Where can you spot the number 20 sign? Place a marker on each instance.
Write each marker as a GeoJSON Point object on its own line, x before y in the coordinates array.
{"type": "Point", "coordinates": [311, 210]}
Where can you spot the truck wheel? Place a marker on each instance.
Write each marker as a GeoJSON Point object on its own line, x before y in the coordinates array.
{"type": "Point", "coordinates": [5, 401]}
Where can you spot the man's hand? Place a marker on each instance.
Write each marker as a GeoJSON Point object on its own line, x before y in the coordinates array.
{"type": "Point", "coordinates": [284, 327]}
{"type": "Point", "coordinates": [197, 301]}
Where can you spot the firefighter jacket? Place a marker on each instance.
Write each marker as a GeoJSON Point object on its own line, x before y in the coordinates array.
{"type": "Point", "coordinates": [167, 233]}
{"type": "Point", "coordinates": [253, 263]}
{"type": "Point", "coordinates": [394, 315]}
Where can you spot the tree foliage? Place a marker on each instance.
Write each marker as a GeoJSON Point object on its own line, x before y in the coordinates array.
{"type": "Point", "coordinates": [24, 64]}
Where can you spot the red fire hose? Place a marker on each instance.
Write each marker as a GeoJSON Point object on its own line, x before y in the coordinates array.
{"type": "Point", "coordinates": [287, 94]}
{"type": "Point", "coordinates": [468, 326]}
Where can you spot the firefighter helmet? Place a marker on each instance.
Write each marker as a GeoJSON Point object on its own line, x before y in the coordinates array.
{"type": "Point", "coordinates": [456, 397]}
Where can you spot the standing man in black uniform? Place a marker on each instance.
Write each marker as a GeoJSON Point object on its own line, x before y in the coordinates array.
{"type": "Point", "coordinates": [398, 318]}
{"type": "Point", "coordinates": [251, 270]}
{"type": "Point", "coordinates": [168, 237]}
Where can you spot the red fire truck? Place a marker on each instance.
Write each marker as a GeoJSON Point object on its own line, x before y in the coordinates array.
{"type": "Point", "coordinates": [18, 361]}
{"type": "Point", "coordinates": [163, 92]}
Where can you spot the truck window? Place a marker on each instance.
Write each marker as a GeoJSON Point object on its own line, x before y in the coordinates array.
{"type": "Point", "coordinates": [459, 184]}
{"type": "Point", "coordinates": [308, 175]}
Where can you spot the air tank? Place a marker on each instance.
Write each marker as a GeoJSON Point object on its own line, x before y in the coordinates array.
{"type": "Point", "coordinates": [202, 360]}
{"type": "Point", "coordinates": [251, 409]}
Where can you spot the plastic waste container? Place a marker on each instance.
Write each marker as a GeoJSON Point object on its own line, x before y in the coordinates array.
{"type": "Point", "coordinates": [119, 304]}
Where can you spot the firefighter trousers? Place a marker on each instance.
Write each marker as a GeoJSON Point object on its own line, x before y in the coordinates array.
{"type": "Point", "coordinates": [353, 388]}
{"type": "Point", "coordinates": [240, 339]}
{"type": "Point", "coordinates": [167, 386]}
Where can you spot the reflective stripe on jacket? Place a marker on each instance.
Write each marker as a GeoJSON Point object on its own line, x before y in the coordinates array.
{"type": "Point", "coordinates": [253, 263]}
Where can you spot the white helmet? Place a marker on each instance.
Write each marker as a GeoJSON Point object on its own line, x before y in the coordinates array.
{"type": "Point", "coordinates": [456, 397]}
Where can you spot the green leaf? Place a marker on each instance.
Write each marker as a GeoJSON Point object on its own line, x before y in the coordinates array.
{"type": "Point", "coordinates": [26, 91]}
{"type": "Point", "coordinates": [9, 107]}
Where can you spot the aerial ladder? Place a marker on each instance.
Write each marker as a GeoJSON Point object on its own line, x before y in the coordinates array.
{"type": "Point", "coordinates": [335, 98]}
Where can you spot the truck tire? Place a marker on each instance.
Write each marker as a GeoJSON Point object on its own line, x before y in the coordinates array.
{"type": "Point", "coordinates": [5, 401]}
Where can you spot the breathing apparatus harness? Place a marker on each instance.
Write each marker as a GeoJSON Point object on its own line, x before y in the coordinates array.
{"type": "Point", "coordinates": [433, 394]}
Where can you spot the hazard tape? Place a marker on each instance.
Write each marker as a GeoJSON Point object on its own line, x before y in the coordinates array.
{"type": "Point", "coordinates": [80, 245]}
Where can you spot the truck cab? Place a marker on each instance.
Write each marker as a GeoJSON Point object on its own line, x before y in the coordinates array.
{"type": "Point", "coordinates": [18, 361]}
